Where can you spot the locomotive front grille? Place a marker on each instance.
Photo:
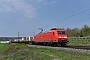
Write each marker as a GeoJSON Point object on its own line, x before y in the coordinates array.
{"type": "Point", "coordinates": [61, 41]}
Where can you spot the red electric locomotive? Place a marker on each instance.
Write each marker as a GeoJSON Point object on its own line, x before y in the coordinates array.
{"type": "Point", "coordinates": [52, 37]}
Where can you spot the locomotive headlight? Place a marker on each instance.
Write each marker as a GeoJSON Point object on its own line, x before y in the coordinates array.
{"type": "Point", "coordinates": [65, 37]}
{"type": "Point", "coordinates": [60, 37]}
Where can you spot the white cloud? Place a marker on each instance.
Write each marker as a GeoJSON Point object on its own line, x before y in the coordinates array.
{"type": "Point", "coordinates": [38, 1]}
{"type": "Point", "coordinates": [51, 3]}
{"type": "Point", "coordinates": [22, 6]}
{"type": "Point", "coordinates": [25, 7]}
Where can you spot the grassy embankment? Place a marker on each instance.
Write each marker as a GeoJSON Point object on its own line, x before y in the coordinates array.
{"type": "Point", "coordinates": [79, 42]}
{"type": "Point", "coordinates": [22, 52]}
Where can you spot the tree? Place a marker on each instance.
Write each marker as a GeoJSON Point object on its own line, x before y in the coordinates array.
{"type": "Point", "coordinates": [86, 30]}
{"type": "Point", "coordinates": [76, 32]}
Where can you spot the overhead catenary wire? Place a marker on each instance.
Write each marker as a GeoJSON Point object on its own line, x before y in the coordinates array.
{"type": "Point", "coordinates": [76, 21]}
{"type": "Point", "coordinates": [80, 20]}
{"type": "Point", "coordinates": [71, 13]}
{"type": "Point", "coordinates": [68, 17]}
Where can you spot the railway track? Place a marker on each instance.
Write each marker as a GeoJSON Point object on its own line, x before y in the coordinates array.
{"type": "Point", "coordinates": [79, 47]}
{"type": "Point", "coordinates": [76, 49]}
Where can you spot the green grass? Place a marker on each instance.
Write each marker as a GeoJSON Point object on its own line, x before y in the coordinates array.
{"type": "Point", "coordinates": [19, 52]}
{"type": "Point", "coordinates": [22, 52]}
{"type": "Point", "coordinates": [3, 47]}
{"type": "Point", "coordinates": [79, 42]}
{"type": "Point", "coordinates": [20, 46]}
{"type": "Point", "coordinates": [50, 54]}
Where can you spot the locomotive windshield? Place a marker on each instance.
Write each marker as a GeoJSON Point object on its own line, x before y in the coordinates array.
{"type": "Point", "coordinates": [61, 32]}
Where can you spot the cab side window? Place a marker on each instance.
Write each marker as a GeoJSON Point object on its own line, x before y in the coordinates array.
{"type": "Point", "coordinates": [53, 33]}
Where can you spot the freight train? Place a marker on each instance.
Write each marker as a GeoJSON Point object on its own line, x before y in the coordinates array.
{"type": "Point", "coordinates": [53, 37]}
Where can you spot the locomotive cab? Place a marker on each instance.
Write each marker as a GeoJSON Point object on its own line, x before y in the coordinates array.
{"type": "Point", "coordinates": [60, 36]}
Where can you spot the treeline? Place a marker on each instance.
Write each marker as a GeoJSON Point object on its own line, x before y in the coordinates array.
{"type": "Point", "coordinates": [79, 32]}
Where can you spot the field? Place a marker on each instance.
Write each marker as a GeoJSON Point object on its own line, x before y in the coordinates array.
{"type": "Point", "coordinates": [79, 42]}
{"type": "Point", "coordinates": [22, 52]}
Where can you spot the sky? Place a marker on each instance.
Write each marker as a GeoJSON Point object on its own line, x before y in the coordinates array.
{"type": "Point", "coordinates": [27, 16]}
